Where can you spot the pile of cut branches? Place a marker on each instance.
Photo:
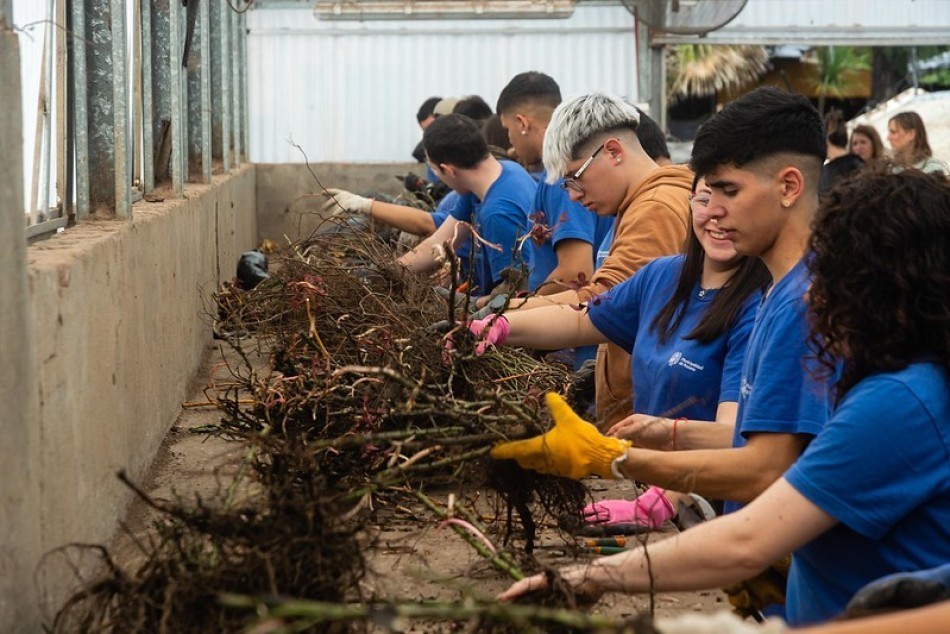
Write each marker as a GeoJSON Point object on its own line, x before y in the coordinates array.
{"type": "Point", "coordinates": [360, 409]}
{"type": "Point", "coordinates": [359, 377]}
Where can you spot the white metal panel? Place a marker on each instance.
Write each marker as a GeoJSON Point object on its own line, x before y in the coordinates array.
{"type": "Point", "coordinates": [30, 19]}
{"type": "Point", "coordinates": [829, 22]}
{"type": "Point", "coordinates": [349, 91]}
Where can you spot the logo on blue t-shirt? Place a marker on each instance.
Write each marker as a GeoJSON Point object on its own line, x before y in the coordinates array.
{"type": "Point", "coordinates": [745, 388]}
{"type": "Point", "coordinates": [677, 359]}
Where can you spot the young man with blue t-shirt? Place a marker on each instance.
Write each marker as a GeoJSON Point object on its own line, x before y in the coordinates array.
{"type": "Point", "coordinates": [764, 196]}
{"type": "Point", "coordinates": [870, 497]}
{"type": "Point", "coordinates": [564, 234]}
{"type": "Point", "coordinates": [495, 200]}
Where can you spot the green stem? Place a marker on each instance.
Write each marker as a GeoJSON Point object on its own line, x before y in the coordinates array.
{"type": "Point", "coordinates": [380, 613]}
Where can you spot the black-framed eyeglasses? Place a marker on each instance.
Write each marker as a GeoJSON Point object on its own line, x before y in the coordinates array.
{"type": "Point", "coordinates": [571, 183]}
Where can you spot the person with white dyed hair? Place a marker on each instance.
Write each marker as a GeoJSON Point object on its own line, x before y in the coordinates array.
{"type": "Point", "coordinates": [592, 142]}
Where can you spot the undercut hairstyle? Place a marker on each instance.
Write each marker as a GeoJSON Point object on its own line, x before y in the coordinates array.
{"type": "Point", "coordinates": [910, 120]}
{"type": "Point", "coordinates": [877, 146]}
{"type": "Point", "coordinates": [425, 110]}
{"type": "Point", "coordinates": [652, 138]}
{"type": "Point", "coordinates": [456, 140]}
{"type": "Point", "coordinates": [473, 107]}
{"type": "Point", "coordinates": [576, 121]}
{"type": "Point", "coordinates": [835, 130]}
{"type": "Point", "coordinates": [749, 276]}
{"type": "Point", "coordinates": [759, 125]}
{"type": "Point", "coordinates": [880, 271]}
{"type": "Point", "coordinates": [527, 88]}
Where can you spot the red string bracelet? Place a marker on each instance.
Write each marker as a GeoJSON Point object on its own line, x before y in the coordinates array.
{"type": "Point", "coordinates": [673, 437]}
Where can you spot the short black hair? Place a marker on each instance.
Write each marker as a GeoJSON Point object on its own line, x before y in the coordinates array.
{"type": "Point", "coordinates": [835, 129]}
{"type": "Point", "coordinates": [473, 107]}
{"type": "Point", "coordinates": [651, 136]}
{"type": "Point", "coordinates": [425, 110]}
{"type": "Point", "coordinates": [455, 139]}
{"type": "Point", "coordinates": [760, 124]}
{"type": "Point", "coordinates": [529, 87]}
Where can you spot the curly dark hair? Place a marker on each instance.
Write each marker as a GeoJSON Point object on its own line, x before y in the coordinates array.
{"type": "Point", "coordinates": [880, 264]}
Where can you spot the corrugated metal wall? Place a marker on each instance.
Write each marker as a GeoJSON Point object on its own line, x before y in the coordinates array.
{"type": "Point", "coordinates": [349, 91]}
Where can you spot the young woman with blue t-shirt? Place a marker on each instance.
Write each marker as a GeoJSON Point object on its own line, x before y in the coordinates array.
{"type": "Point", "coordinates": [685, 320]}
{"type": "Point", "coordinates": [870, 496]}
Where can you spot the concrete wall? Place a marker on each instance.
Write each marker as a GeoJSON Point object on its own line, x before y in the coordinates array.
{"type": "Point", "coordinates": [287, 207]}
{"type": "Point", "coordinates": [119, 324]}
{"type": "Point", "coordinates": [19, 486]}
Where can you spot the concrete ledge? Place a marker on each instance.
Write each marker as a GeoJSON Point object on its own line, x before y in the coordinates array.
{"type": "Point", "coordinates": [288, 201]}
{"type": "Point", "coordinates": [120, 323]}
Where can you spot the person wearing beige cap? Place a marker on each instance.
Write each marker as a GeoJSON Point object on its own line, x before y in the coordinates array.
{"type": "Point", "coordinates": [444, 107]}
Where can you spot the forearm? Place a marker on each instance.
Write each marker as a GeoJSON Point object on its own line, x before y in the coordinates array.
{"type": "Point", "coordinates": [683, 562]}
{"type": "Point", "coordinates": [575, 262]}
{"type": "Point", "coordinates": [689, 435]}
{"type": "Point", "coordinates": [692, 435]}
{"type": "Point", "coordinates": [924, 620]}
{"type": "Point", "coordinates": [564, 298]}
{"type": "Point", "coordinates": [725, 550]}
{"type": "Point", "coordinates": [739, 474]}
{"type": "Point", "coordinates": [551, 328]}
{"type": "Point", "coordinates": [409, 219]}
{"type": "Point", "coordinates": [421, 258]}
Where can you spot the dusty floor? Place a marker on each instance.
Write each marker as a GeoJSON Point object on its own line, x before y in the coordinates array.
{"type": "Point", "coordinates": [416, 559]}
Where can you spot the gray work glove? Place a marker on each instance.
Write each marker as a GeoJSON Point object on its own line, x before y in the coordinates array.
{"type": "Point", "coordinates": [901, 591]}
{"type": "Point", "coordinates": [445, 294]}
{"type": "Point", "coordinates": [341, 201]}
{"type": "Point", "coordinates": [494, 305]}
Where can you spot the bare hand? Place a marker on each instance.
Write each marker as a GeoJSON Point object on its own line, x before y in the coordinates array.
{"type": "Point", "coordinates": [649, 432]}
{"type": "Point", "coordinates": [578, 578]}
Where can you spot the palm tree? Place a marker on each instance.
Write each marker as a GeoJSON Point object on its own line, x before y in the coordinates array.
{"type": "Point", "coordinates": [836, 66]}
{"type": "Point", "coordinates": [702, 70]}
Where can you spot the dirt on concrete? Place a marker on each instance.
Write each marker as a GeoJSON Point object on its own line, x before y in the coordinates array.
{"type": "Point", "coordinates": [414, 559]}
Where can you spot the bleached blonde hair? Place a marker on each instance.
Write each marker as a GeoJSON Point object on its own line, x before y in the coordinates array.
{"type": "Point", "coordinates": [576, 121]}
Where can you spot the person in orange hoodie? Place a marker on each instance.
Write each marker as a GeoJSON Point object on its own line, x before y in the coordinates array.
{"type": "Point", "coordinates": [592, 140]}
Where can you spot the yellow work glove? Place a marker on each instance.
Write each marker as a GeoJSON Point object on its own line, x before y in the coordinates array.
{"type": "Point", "coordinates": [573, 448]}
{"type": "Point", "coordinates": [752, 596]}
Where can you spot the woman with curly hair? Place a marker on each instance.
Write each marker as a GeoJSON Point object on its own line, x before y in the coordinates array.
{"type": "Point", "coordinates": [870, 496]}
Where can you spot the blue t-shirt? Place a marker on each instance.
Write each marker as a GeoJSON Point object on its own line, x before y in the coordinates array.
{"type": "Point", "coordinates": [442, 211]}
{"type": "Point", "coordinates": [444, 208]}
{"type": "Point", "coordinates": [681, 377]}
{"type": "Point", "coordinates": [778, 393]}
{"type": "Point", "coordinates": [881, 467]}
{"type": "Point", "coordinates": [565, 220]}
{"type": "Point", "coordinates": [501, 219]}
{"type": "Point", "coordinates": [604, 249]}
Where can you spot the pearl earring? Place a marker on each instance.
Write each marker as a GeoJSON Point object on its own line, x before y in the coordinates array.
{"type": "Point", "coordinates": [786, 203]}
{"type": "Point", "coordinates": [524, 132]}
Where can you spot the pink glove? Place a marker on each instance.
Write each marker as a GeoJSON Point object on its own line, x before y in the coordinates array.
{"type": "Point", "coordinates": [651, 510]}
{"type": "Point", "coordinates": [491, 331]}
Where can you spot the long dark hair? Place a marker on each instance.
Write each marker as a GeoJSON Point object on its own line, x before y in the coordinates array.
{"type": "Point", "coordinates": [749, 276]}
{"type": "Point", "coordinates": [910, 120]}
{"type": "Point", "coordinates": [880, 264]}
{"type": "Point", "coordinates": [877, 145]}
